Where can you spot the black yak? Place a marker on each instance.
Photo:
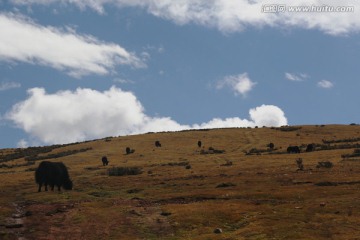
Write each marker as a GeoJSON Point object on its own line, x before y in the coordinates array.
{"type": "Point", "coordinates": [129, 151]}
{"type": "Point", "coordinates": [293, 149]}
{"type": "Point", "coordinates": [105, 161]}
{"type": "Point", "coordinates": [53, 174]}
{"type": "Point", "coordinates": [157, 144]}
{"type": "Point", "coordinates": [271, 146]}
{"type": "Point", "coordinates": [199, 143]}
{"type": "Point", "coordinates": [310, 147]}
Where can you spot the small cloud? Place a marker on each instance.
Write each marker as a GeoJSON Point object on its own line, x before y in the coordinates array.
{"type": "Point", "coordinates": [9, 85]}
{"type": "Point", "coordinates": [240, 84]}
{"type": "Point", "coordinates": [161, 49]}
{"type": "Point", "coordinates": [145, 56]}
{"type": "Point", "coordinates": [154, 49]}
{"type": "Point", "coordinates": [22, 144]}
{"type": "Point", "coordinates": [123, 81]}
{"type": "Point", "coordinates": [296, 77]}
{"type": "Point", "coordinates": [325, 84]}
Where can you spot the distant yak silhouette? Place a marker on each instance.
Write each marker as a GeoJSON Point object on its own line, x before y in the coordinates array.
{"type": "Point", "coordinates": [293, 149]}
{"type": "Point", "coordinates": [129, 150]}
{"type": "Point", "coordinates": [310, 147]}
{"type": "Point", "coordinates": [105, 161]}
{"type": "Point", "coordinates": [157, 144]}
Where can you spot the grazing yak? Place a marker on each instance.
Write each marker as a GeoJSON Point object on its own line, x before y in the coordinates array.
{"type": "Point", "coordinates": [293, 149]}
{"type": "Point", "coordinates": [129, 151]}
{"type": "Point", "coordinates": [271, 146]}
{"type": "Point", "coordinates": [157, 144]}
{"type": "Point", "coordinates": [105, 161]}
{"type": "Point", "coordinates": [199, 143]}
{"type": "Point", "coordinates": [310, 147]}
{"type": "Point", "coordinates": [53, 174]}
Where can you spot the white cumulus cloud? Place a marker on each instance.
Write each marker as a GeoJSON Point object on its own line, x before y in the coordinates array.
{"type": "Point", "coordinates": [83, 114]}
{"type": "Point", "coordinates": [236, 15]}
{"type": "Point", "coordinates": [325, 84]}
{"type": "Point", "coordinates": [25, 41]}
{"type": "Point", "coordinates": [68, 116]}
{"type": "Point", "coordinates": [240, 84]}
{"type": "Point", "coordinates": [268, 115]}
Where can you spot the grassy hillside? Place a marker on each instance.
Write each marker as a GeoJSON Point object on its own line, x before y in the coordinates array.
{"type": "Point", "coordinates": [185, 192]}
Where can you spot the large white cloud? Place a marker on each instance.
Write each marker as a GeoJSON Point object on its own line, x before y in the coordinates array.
{"type": "Point", "coordinates": [25, 41]}
{"type": "Point", "coordinates": [236, 15]}
{"type": "Point", "coordinates": [268, 115]}
{"type": "Point", "coordinates": [83, 114]}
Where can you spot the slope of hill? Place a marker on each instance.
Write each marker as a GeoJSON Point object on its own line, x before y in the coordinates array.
{"type": "Point", "coordinates": [233, 184]}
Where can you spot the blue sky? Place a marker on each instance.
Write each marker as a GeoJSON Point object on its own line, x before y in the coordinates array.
{"type": "Point", "coordinates": [79, 70]}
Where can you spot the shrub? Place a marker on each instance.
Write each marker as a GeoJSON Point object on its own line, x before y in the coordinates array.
{"type": "Point", "coordinates": [356, 153]}
{"type": "Point", "coordinates": [224, 185]}
{"type": "Point", "coordinates": [212, 151]}
{"type": "Point", "coordinates": [228, 163]}
{"type": "Point", "coordinates": [122, 171]}
{"type": "Point", "coordinates": [184, 163]}
{"type": "Point", "coordinates": [256, 151]}
{"type": "Point", "coordinates": [325, 184]}
{"type": "Point", "coordinates": [345, 140]}
{"type": "Point", "coordinates": [287, 128]}
{"type": "Point", "coordinates": [17, 165]}
{"type": "Point", "coordinates": [30, 153]}
{"type": "Point", "coordinates": [300, 164]}
{"type": "Point", "coordinates": [57, 155]}
{"type": "Point", "coordinates": [326, 164]}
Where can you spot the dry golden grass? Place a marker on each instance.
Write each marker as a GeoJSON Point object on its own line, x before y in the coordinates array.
{"type": "Point", "coordinates": [262, 196]}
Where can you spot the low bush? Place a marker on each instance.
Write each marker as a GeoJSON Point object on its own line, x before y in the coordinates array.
{"type": "Point", "coordinates": [185, 163]}
{"type": "Point", "coordinates": [300, 165]}
{"type": "Point", "coordinates": [224, 185]}
{"type": "Point", "coordinates": [212, 151]}
{"type": "Point", "coordinates": [286, 128]}
{"type": "Point", "coordinates": [123, 171]}
{"type": "Point", "coordinates": [17, 165]}
{"type": "Point", "coordinates": [57, 155]}
{"type": "Point", "coordinates": [345, 140]}
{"type": "Point", "coordinates": [326, 164]}
{"type": "Point", "coordinates": [30, 152]}
{"type": "Point", "coordinates": [356, 153]}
